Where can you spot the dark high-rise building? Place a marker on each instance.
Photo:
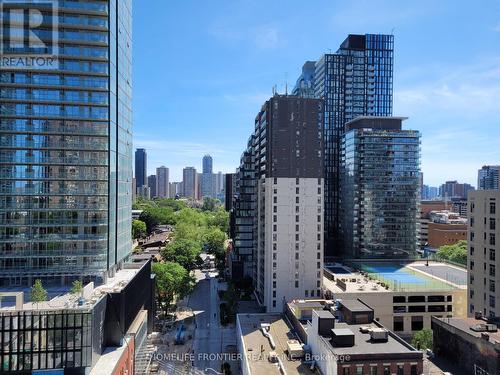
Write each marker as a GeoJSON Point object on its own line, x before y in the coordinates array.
{"type": "Point", "coordinates": [152, 185]}
{"type": "Point", "coordinates": [487, 177]}
{"type": "Point", "coordinates": [380, 188]}
{"type": "Point", "coordinates": [229, 189]}
{"type": "Point", "coordinates": [354, 81]}
{"type": "Point", "coordinates": [243, 215]}
{"type": "Point", "coordinates": [66, 149]}
{"type": "Point", "coordinates": [141, 167]}
{"type": "Point", "coordinates": [278, 212]}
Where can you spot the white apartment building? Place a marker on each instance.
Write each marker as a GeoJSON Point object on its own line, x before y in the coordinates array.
{"type": "Point", "coordinates": [290, 239]}
{"type": "Point", "coordinates": [288, 224]}
{"type": "Point", "coordinates": [162, 182]}
{"type": "Point", "coordinates": [483, 263]}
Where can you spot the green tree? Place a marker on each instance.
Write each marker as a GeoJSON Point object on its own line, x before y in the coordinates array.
{"type": "Point", "coordinates": [215, 243]}
{"type": "Point", "coordinates": [38, 292]}
{"type": "Point", "coordinates": [77, 287]}
{"type": "Point", "coordinates": [422, 339]}
{"type": "Point", "coordinates": [215, 240]}
{"type": "Point", "coordinates": [183, 251]}
{"type": "Point", "coordinates": [454, 253]}
{"type": "Point", "coordinates": [154, 216]}
{"type": "Point", "coordinates": [138, 228]}
{"type": "Point", "coordinates": [210, 204]}
{"type": "Point", "coordinates": [172, 280]}
{"type": "Point", "coordinates": [219, 219]}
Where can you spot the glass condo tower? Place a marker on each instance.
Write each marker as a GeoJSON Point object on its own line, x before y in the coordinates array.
{"type": "Point", "coordinates": [66, 151]}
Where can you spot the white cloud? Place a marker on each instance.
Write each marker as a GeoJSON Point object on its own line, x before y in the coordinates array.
{"type": "Point", "coordinates": [264, 37]}
{"type": "Point", "coordinates": [457, 113]}
{"type": "Point", "coordinates": [496, 27]}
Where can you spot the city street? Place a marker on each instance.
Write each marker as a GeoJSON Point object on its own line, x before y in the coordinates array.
{"type": "Point", "coordinates": [207, 340]}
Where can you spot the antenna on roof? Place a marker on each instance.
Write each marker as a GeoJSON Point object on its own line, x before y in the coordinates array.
{"type": "Point", "coordinates": [286, 83]}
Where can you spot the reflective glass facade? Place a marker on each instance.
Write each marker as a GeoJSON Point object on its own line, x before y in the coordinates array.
{"type": "Point", "coordinates": [65, 152]}
{"type": "Point", "coordinates": [380, 192]}
{"type": "Point", "coordinates": [33, 340]}
{"type": "Point", "coordinates": [354, 81]}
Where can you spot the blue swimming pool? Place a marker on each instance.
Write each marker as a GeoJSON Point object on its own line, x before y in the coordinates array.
{"type": "Point", "coordinates": [396, 274]}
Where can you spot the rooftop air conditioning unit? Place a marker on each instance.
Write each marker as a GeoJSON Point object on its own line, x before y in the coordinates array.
{"type": "Point", "coordinates": [379, 334]}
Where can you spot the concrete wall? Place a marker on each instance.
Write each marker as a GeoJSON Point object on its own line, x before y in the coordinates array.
{"type": "Point", "coordinates": [279, 246]}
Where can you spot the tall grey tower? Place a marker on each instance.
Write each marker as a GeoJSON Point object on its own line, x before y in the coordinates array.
{"type": "Point", "coordinates": [354, 81]}
{"type": "Point", "coordinates": [141, 167]}
{"type": "Point", "coordinates": [66, 149]}
{"type": "Point", "coordinates": [207, 178]}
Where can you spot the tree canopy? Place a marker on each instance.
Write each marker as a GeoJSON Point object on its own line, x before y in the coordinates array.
{"type": "Point", "coordinates": [172, 280]}
{"type": "Point", "coordinates": [138, 229]}
{"type": "Point", "coordinates": [38, 292]}
{"type": "Point", "coordinates": [454, 253]}
{"type": "Point", "coordinates": [422, 339]}
{"type": "Point", "coordinates": [183, 251]}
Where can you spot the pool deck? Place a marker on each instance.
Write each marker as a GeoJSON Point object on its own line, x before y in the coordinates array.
{"type": "Point", "coordinates": [415, 276]}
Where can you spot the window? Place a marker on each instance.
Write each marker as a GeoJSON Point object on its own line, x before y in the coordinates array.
{"type": "Point", "coordinates": [492, 223]}
{"type": "Point", "coordinates": [275, 218]}
{"type": "Point", "coordinates": [275, 209]}
{"type": "Point", "coordinates": [492, 286]}
{"type": "Point", "coordinates": [275, 199]}
{"type": "Point", "coordinates": [492, 270]}
{"type": "Point", "coordinates": [319, 190]}
{"type": "Point", "coordinates": [492, 238]}
{"type": "Point", "coordinates": [296, 190]}
{"type": "Point", "coordinates": [387, 370]}
{"type": "Point", "coordinates": [413, 370]}
{"type": "Point", "coordinates": [417, 323]}
{"type": "Point", "coordinates": [373, 370]}
{"type": "Point", "coordinates": [306, 293]}
{"type": "Point", "coordinates": [318, 265]}
{"type": "Point", "coordinates": [296, 181]}
{"type": "Point", "coordinates": [274, 294]}
{"type": "Point", "coordinates": [275, 228]}
{"type": "Point", "coordinates": [492, 301]}
{"type": "Point", "coordinates": [399, 299]}
{"type": "Point", "coordinates": [296, 199]}
{"type": "Point", "coordinates": [275, 180]}
{"type": "Point", "coordinates": [471, 266]}
{"type": "Point", "coordinates": [416, 298]}
{"type": "Point", "coordinates": [296, 283]}
{"type": "Point", "coordinates": [318, 256]}
{"type": "Point", "coordinates": [435, 299]}
{"type": "Point", "coordinates": [398, 323]}
{"type": "Point", "coordinates": [296, 256]}
{"type": "Point", "coordinates": [413, 309]}
{"type": "Point", "coordinates": [492, 208]}
{"type": "Point", "coordinates": [296, 218]}
{"type": "Point", "coordinates": [471, 250]}
{"type": "Point", "coordinates": [274, 303]}
{"type": "Point", "coordinates": [346, 371]}
{"type": "Point", "coordinates": [401, 370]}
{"type": "Point", "coordinates": [359, 370]}
{"type": "Point", "coordinates": [296, 237]}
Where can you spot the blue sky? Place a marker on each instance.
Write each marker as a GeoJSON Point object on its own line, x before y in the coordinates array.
{"type": "Point", "coordinates": [202, 69]}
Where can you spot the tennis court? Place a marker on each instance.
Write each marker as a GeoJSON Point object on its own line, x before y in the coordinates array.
{"type": "Point", "coordinates": [401, 278]}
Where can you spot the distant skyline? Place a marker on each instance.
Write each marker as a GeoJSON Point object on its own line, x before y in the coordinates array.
{"type": "Point", "coordinates": [215, 71]}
